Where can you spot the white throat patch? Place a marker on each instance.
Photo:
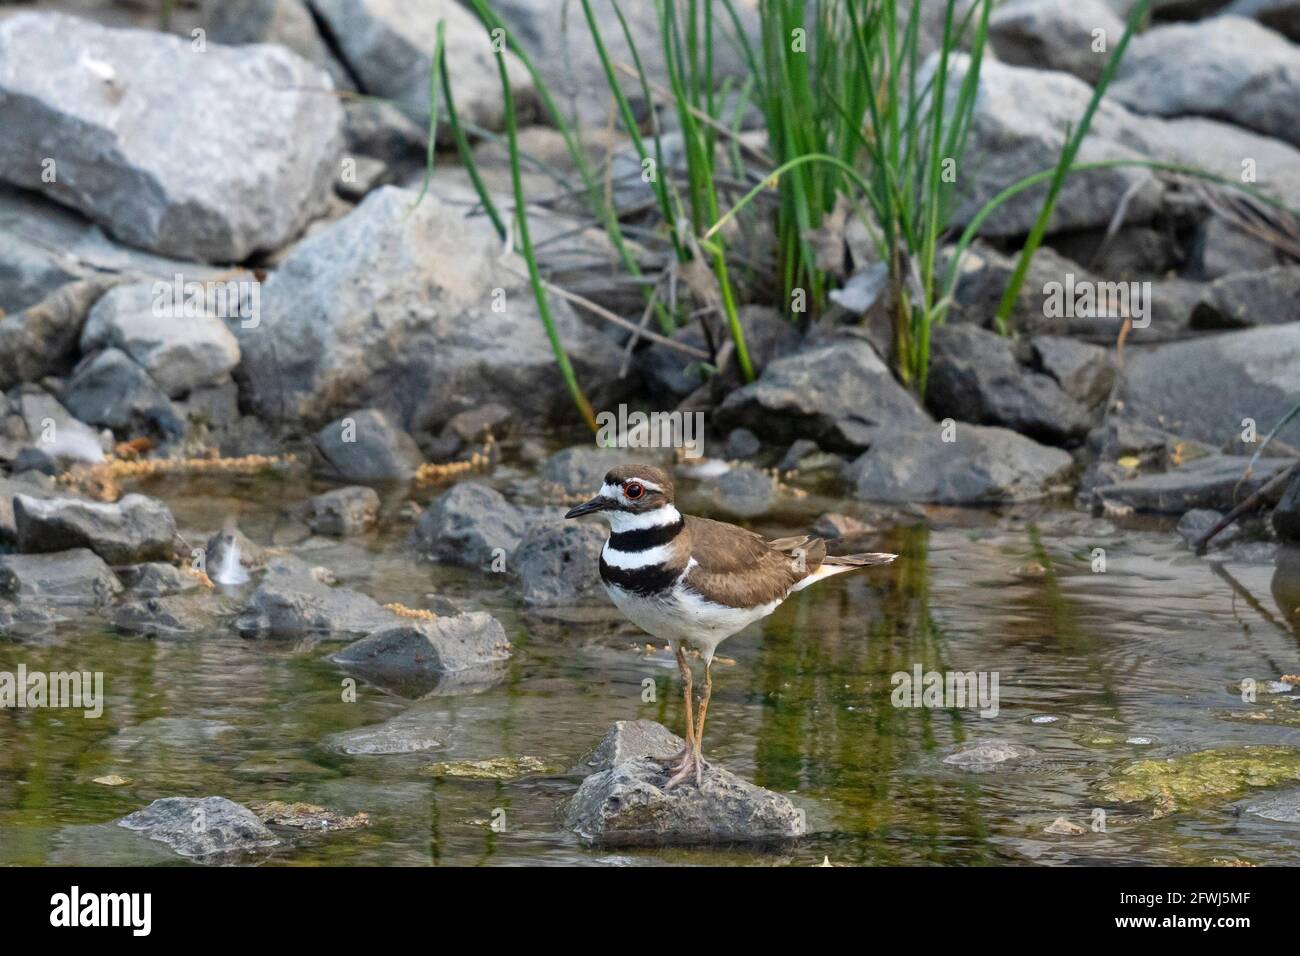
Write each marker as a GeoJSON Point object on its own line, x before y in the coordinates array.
{"type": "Point", "coordinates": [655, 518]}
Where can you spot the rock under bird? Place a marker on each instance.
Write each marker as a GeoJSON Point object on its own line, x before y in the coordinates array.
{"type": "Point", "coordinates": [694, 582]}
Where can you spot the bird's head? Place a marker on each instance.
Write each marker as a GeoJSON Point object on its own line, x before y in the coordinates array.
{"type": "Point", "coordinates": [630, 490]}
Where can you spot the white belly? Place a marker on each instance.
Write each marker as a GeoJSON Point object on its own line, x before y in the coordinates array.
{"type": "Point", "coordinates": [683, 616]}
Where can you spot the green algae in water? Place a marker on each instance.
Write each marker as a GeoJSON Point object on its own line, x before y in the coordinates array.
{"type": "Point", "coordinates": [1205, 777]}
{"type": "Point", "coordinates": [495, 768]}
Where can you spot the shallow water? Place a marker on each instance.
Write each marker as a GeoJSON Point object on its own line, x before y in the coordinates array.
{"type": "Point", "coordinates": [1149, 651]}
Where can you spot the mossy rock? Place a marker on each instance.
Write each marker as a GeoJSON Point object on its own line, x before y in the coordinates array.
{"type": "Point", "coordinates": [495, 768]}
{"type": "Point", "coordinates": [1201, 778]}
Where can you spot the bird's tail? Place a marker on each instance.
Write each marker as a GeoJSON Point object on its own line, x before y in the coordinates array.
{"type": "Point", "coordinates": [860, 560]}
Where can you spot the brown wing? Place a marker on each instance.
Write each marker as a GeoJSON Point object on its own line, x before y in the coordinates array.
{"type": "Point", "coordinates": [739, 568]}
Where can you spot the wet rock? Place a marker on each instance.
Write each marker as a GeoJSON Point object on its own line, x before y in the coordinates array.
{"type": "Point", "coordinates": [134, 529]}
{"type": "Point", "coordinates": [558, 565]}
{"type": "Point", "coordinates": [41, 339]}
{"type": "Point", "coordinates": [307, 816]}
{"type": "Point", "coordinates": [249, 556]}
{"type": "Point", "coordinates": [1194, 524]}
{"type": "Point", "coordinates": [291, 602]}
{"type": "Point", "coordinates": [741, 444]}
{"type": "Point", "coordinates": [581, 469]}
{"type": "Point", "coordinates": [983, 465]}
{"type": "Point", "coordinates": [1054, 33]}
{"type": "Point", "coordinates": [744, 492]}
{"type": "Point", "coordinates": [839, 394]}
{"type": "Point", "coordinates": [32, 484]}
{"type": "Point", "coordinates": [54, 432]}
{"type": "Point", "coordinates": [343, 511]}
{"type": "Point", "coordinates": [26, 620]}
{"type": "Point", "coordinates": [1286, 516]}
{"type": "Point", "coordinates": [413, 657]}
{"type": "Point", "coordinates": [408, 733]}
{"type": "Point", "coordinates": [631, 740]}
{"type": "Point", "coordinates": [388, 45]}
{"type": "Point", "coordinates": [1283, 808]}
{"type": "Point", "coordinates": [1085, 372]}
{"type": "Point", "coordinates": [110, 390]}
{"type": "Point", "coordinates": [1202, 778]}
{"type": "Point", "coordinates": [626, 805]}
{"type": "Point", "coordinates": [470, 524]}
{"type": "Point", "coordinates": [1202, 389]}
{"type": "Point", "coordinates": [1244, 299]}
{"type": "Point", "coordinates": [801, 455]}
{"type": "Point", "coordinates": [988, 755]}
{"type": "Point", "coordinates": [833, 525]}
{"type": "Point", "coordinates": [1064, 827]}
{"type": "Point", "coordinates": [172, 615]}
{"type": "Point", "coordinates": [368, 446]}
{"type": "Point", "coordinates": [156, 579]}
{"type": "Point", "coordinates": [103, 103]}
{"type": "Point", "coordinates": [1220, 248]}
{"type": "Point", "coordinates": [1255, 79]}
{"type": "Point", "coordinates": [286, 22]}
{"type": "Point", "coordinates": [77, 577]}
{"type": "Point", "coordinates": [974, 377]}
{"type": "Point", "coordinates": [180, 352]}
{"type": "Point", "coordinates": [202, 828]}
{"type": "Point", "coordinates": [1280, 15]}
{"type": "Point", "coordinates": [1214, 481]}
{"type": "Point", "coordinates": [393, 311]}
{"type": "Point", "coordinates": [494, 768]}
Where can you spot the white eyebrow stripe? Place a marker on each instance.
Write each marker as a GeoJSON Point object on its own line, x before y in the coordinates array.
{"type": "Point", "coordinates": [631, 560]}
{"type": "Point", "coordinates": [654, 518]}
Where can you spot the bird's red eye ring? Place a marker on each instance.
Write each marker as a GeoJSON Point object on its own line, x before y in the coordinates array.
{"type": "Point", "coordinates": [634, 491]}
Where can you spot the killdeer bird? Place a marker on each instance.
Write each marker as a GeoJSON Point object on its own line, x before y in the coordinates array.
{"type": "Point", "coordinates": [695, 582]}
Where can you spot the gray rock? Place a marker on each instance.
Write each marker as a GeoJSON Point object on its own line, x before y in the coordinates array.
{"type": "Point", "coordinates": [380, 130]}
{"type": "Point", "coordinates": [77, 577]}
{"type": "Point", "coordinates": [627, 806]}
{"type": "Point", "coordinates": [156, 579]}
{"type": "Point", "coordinates": [1203, 389]}
{"type": "Point", "coordinates": [388, 45]}
{"type": "Point", "coordinates": [1085, 372]}
{"type": "Point", "coordinates": [631, 740]}
{"type": "Point", "coordinates": [1214, 481]}
{"type": "Point", "coordinates": [286, 22]}
{"type": "Point", "coordinates": [1054, 33]}
{"type": "Point", "coordinates": [42, 338]}
{"type": "Point", "coordinates": [291, 602]}
{"type": "Point", "coordinates": [1286, 516]}
{"type": "Point", "coordinates": [1280, 15]}
{"type": "Point", "coordinates": [110, 390]}
{"type": "Point", "coordinates": [343, 511]}
{"type": "Point", "coordinates": [207, 828]}
{"type": "Point", "coordinates": [27, 620]}
{"type": "Point", "coordinates": [1255, 81]}
{"type": "Point", "coordinates": [134, 529]}
{"type": "Point", "coordinates": [1193, 525]}
{"type": "Point", "coordinates": [368, 446]}
{"type": "Point", "coordinates": [1244, 299]}
{"type": "Point", "coordinates": [988, 755]}
{"type": "Point", "coordinates": [742, 443]}
{"type": "Point", "coordinates": [171, 615]}
{"type": "Point", "coordinates": [839, 394]}
{"type": "Point", "coordinates": [249, 555]}
{"type": "Point", "coordinates": [408, 733]}
{"type": "Point", "coordinates": [212, 406]}
{"type": "Point", "coordinates": [102, 103]}
{"type": "Point", "coordinates": [974, 377]}
{"type": "Point", "coordinates": [1282, 808]}
{"type": "Point", "coordinates": [558, 565]}
{"type": "Point", "coordinates": [56, 433]}
{"type": "Point", "coordinates": [467, 524]}
{"type": "Point", "coordinates": [414, 657]}
{"type": "Point", "coordinates": [1220, 248]}
{"type": "Point", "coordinates": [394, 311]}
{"type": "Point", "coordinates": [33, 485]}
{"type": "Point", "coordinates": [981, 466]}
{"type": "Point", "coordinates": [180, 352]}
{"type": "Point", "coordinates": [744, 492]}
{"type": "Point", "coordinates": [581, 469]}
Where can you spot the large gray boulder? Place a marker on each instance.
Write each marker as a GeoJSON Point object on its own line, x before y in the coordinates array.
{"type": "Point", "coordinates": [1255, 80]}
{"type": "Point", "coordinates": [626, 805]}
{"type": "Point", "coordinates": [77, 577]}
{"type": "Point", "coordinates": [211, 155]}
{"type": "Point", "coordinates": [983, 465]}
{"type": "Point", "coordinates": [1204, 389]}
{"type": "Point", "coordinates": [286, 22]}
{"type": "Point", "coordinates": [207, 828]}
{"type": "Point", "coordinates": [1216, 482]}
{"type": "Point", "coordinates": [1055, 33]}
{"type": "Point", "coordinates": [388, 44]}
{"type": "Point", "coordinates": [974, 377]}
{"type": "Point", "coordinates": [559, 565]}
{"type": "Point", "coordinates": [180, 352]}
{"type": "Point", "coordinates": [839, 394]}
{"type": "Point", "coordinates": [134, 529]}
{"type": "Point", "coordinates": [470, 524]}
{"type": "Point", "coordinates": [392, 308]}
{"type": "Point", "coordinates": [110, 390]}
{"type": "Point", "coordinates": [415, 656]}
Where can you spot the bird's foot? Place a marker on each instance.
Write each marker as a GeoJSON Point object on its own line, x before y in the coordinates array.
{"type": "Point", "coordinates": [683, 771]}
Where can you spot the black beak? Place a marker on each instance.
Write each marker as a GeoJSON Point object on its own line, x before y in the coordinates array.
{"type": "Point", "coordinates": [598, 503]}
